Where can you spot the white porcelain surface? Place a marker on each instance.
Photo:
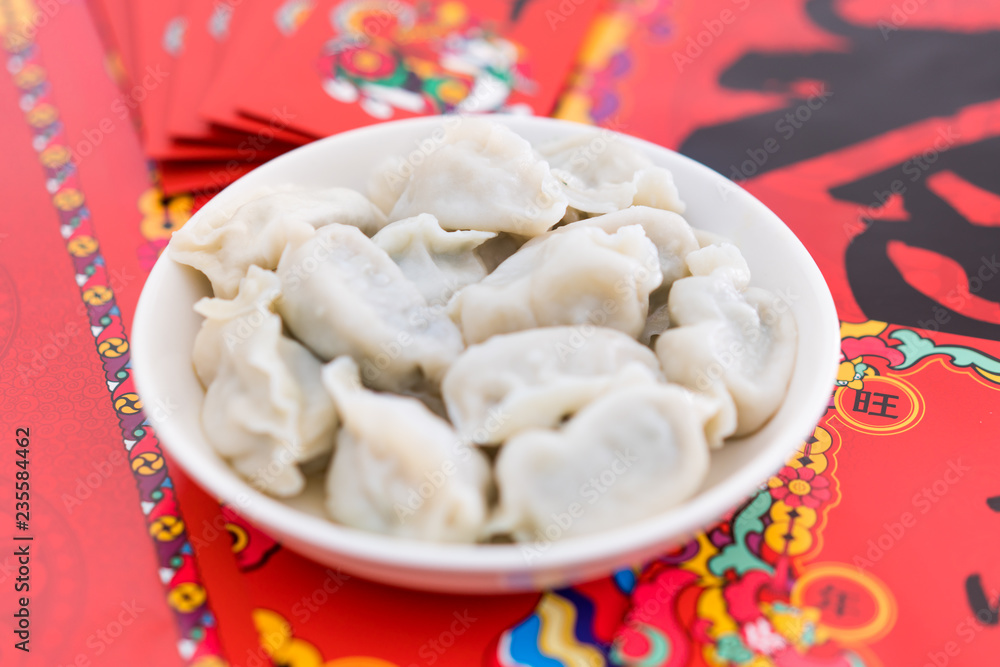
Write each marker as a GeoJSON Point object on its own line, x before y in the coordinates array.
{"type": "Point", "coordinates": [165, 326]}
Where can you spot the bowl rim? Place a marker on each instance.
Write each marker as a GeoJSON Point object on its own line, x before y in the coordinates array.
{"type": "Point", "coordinates": [669, 528]}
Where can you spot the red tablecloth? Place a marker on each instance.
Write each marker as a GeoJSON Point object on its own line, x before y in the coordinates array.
{"type": "Point", "coordinates": [871, 128]}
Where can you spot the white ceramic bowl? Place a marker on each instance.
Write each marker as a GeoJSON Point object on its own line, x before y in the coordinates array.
{"type": "Point", "coordinates": [165, 327]}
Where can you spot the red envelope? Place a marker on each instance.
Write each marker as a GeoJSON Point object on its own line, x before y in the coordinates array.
{"type": "Point", "coordinates": [194, 151]}
{"type": "Point", "coordinates": [364, 62]}
{"type": "Point", "coordinates": [159, 33]}
{"type": "Point", "coordinates": [180, 176]}
{"type": "Point", "coordinates": [207, 36]}
{"type": "Point", "coordinates": [257, 31]}
{"type": "Point", "coordinates": [113, 18]}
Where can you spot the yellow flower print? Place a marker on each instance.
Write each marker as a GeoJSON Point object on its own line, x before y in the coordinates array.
{"type": "Point", "coordinates": [68, 199]}
{"type": "Point", "coordinates": [81, 246]}
{"type": "Point", "coordinates": [42, 115]}
{"type": "Point", "coordinates": [278, 641]}
{"type": "Point", "coordinates": [98, 295]}
{"type": "Point", "coordinates": [166, 528]}
{"type": "Point", "coordinates": [162, 216]}
{"type": "Point", "coordinates": [147, 463]}
{"type": "Point", "coordinates": [29, 77]}
{"type": "Point", "coordinates": [112, 348]}
{"type": "Point", "coordinates": [55, 156]}
{"type": "Point", "coordinates": [186, 597]}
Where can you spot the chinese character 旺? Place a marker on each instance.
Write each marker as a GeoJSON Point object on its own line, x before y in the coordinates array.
{"type": "Point", "coordinates": [884, 405]}
{"type": "Point", "coordinates": [861, 399]}
{"type": "Point", "coordinates": [863, 403]}
{"type": "Point", "coordinates": [838, 601]}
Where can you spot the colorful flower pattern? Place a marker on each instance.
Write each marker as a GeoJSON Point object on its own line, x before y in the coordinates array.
{"type": "Point", "coordinates": [389, 55]}
{"type": "Point", "coordinates": [161, 217]}
{"type": "Point", "coordinates": [796, 487]}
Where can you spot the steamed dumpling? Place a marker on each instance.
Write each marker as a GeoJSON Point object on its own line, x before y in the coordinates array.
{"type": "Point", "coordinates": [577, 276]}
{"type": "Point", "coordinates": [223, 246]}
{"type": "Point", "coordinates": [228, 322]}
{"type": "Point", "coordinates": [387, 182]}
{"type": "Point", "coordinates": [601, 173]}
{"type": "Point", "coordinates": [438, 262]}
{"type": "Point", "coordinates": [485, 177]}
{"type": "Point", "coordinates": [344, 295]}
{"type": "Point", "coordinates": [674, 240]}
{"type": "Point", "coordinates": [534, 379]}
{"type": "Point", "coordinates": [627, 456]}
{"type": "Point", "coordinates": [265, 409]}
{"type": "Point", "coordinates": [729, 341]}
{"type": "Point", "coordinates": [399, 469]}
{"type": "Point", "coordinates": [669, 232]}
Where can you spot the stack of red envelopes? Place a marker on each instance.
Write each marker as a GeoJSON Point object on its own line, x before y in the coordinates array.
{"type": "Point", "coordinates": [221, 87]}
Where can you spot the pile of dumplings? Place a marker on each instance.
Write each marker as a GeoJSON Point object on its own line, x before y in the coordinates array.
{"type": "Point", "coordinates": [499, 342]}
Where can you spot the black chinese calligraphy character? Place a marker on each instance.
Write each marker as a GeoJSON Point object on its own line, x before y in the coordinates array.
{"type": "Point", "coordinates": [877, 88]}
{"type": "Point", "coordinates": [878, 285]}
{"type": "Point", "coordinates": [874, 83]}
{"type": "Point", "coordinates": [986, 613]}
